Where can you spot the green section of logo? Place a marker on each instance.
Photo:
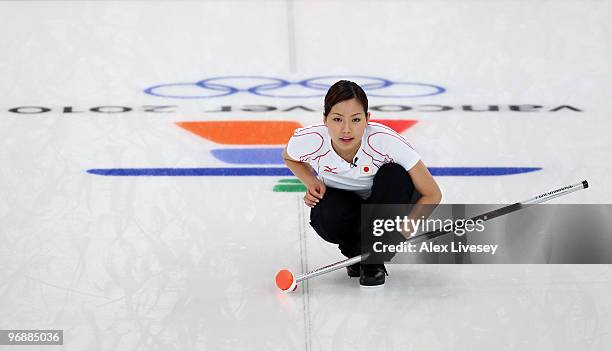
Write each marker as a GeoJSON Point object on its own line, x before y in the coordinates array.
{"type": "Point", "coordinates": [290, 181]}
{"type": "Point", "coordinates": [290, 185]}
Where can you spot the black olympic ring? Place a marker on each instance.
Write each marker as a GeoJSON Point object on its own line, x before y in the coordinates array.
{"type": "Point", "coordinates": [369, 84]}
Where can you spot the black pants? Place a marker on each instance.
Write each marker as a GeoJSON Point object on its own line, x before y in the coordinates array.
{"type": "Point", "coordinates": [337, 217]}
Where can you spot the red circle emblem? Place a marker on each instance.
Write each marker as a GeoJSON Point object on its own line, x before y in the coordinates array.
{"type": "Point", "coordinates": [366, 169]}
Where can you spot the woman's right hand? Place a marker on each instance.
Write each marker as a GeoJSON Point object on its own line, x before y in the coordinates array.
{"type": "Point", "coordinates": [314, 192]}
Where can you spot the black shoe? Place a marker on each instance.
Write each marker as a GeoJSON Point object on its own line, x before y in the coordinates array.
{"type": "Point", "coordinates": [353, 270]}
{"type": "Point", "coordinates": [372, 275]}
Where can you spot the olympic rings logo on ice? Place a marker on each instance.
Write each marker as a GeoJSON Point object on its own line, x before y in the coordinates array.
{"type": "Point", "coordinates": [315, 87]}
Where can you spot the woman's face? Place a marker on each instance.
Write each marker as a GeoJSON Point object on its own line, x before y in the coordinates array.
{"type": "Point", "coordinates": [346, 122]}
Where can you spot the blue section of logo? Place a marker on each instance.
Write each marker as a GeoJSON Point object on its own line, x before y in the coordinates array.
{"type": "Point", "coordinates": [282, 171]}
{"type": "Point", "coordinates": [315, 87]}
{"type": "Point", "coordinates": [179, 172]}
{"type": "Point", "coordinates": [255, 156]}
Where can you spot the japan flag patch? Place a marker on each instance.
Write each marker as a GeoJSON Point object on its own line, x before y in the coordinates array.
{"type": "Point", "coordinates": [365, 169]}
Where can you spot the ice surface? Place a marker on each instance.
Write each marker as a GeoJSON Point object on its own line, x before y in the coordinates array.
{"type": "Point", "coordinates": [188, 262]}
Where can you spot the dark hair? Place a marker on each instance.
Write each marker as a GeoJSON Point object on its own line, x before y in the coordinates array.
{"type": "Point", "coordinates": [344, 90]}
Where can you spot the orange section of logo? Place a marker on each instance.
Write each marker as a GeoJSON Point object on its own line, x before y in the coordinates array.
{"type": "Point", "coordinates": [243, 132]}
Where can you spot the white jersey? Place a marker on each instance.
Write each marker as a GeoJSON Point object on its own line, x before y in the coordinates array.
{"type": "Point", "coordinates": [379, 145]}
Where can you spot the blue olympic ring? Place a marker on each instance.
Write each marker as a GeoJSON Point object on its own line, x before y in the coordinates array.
{"type": "Point", "coordinates": [368, 84]}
